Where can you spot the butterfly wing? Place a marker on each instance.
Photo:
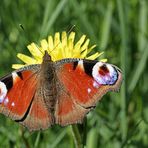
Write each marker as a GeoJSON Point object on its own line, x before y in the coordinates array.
{"type": "Point", "coordinates": [81, 84]}
{"type": "Point", "coordinates": [38, 117]}
{"type": "Point", "coordinates": [16, 92]}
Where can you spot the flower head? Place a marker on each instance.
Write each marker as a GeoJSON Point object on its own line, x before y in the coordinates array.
{"type": "Point", "coordinates": [58, 49]}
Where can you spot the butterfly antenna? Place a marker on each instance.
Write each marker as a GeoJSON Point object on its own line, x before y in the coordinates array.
{"type": "Point", "coordinates": [22, 27]}
{"type": "Point", "coordinates": [63, 38]}
{"type": "Point", "coordinates": [57, 43]}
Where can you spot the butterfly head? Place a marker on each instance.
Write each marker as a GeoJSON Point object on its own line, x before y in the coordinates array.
{"type": "Point", "coordinates": [104, 73]}
{"type": "Point", "coordinates": [46, 57]}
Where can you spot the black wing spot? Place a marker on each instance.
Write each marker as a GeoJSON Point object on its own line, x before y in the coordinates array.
{"type": "Point", "coordinates": [75, 65]}
{"type": "Point", "coordinates": [20, 75]}
{"type": "Point", "coordinates": [88, 66]}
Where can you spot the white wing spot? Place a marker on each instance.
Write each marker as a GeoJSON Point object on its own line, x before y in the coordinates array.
{"type": "Point", "coordinates": [14, 75]}
{"type": "Point", "coordinates": [12, 104]}
{"type": "Point", "coordinates": [80, 64]}
{"type": "Point", "coordinates": [88, 90]}
{"type": "Point", "coordinates": [3, 91]}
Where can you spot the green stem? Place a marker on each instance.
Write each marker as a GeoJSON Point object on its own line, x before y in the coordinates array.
{"type": "Point", "coordinates": [77, 136]}
{"type": "Point", "coordinates": [37, 140]}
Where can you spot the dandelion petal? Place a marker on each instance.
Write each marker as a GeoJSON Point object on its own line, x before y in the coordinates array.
{"type": "Point", "coordinates": [17, 66]}
{"type": "Point", "coordinates": [26, 59]}
{"type": "Point", "coordinates": [35, 51]}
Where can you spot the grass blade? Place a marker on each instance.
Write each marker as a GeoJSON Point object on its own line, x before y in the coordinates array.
{"type": "Point", "coordinates": [123, 52]}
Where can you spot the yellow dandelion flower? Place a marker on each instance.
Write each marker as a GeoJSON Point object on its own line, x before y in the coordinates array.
{"type": "Point", "coordinates": [58, 48]}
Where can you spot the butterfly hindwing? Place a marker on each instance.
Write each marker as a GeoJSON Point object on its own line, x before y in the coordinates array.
{"type": "Point", "coordinates": [67, 111]}
{"type": "Point", "coordinates": [38, 116]}
{"type": "Point", "coordinates": [82, 84]}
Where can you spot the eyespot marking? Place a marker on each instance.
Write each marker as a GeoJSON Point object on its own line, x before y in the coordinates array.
{"type": "Point", "coordinates": [104, 73]}
{"type": "Point", "coordinates": [3, 91]}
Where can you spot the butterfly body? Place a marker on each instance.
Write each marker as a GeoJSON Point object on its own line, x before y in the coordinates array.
{"type": "Point", "coordinates": [61, 92]}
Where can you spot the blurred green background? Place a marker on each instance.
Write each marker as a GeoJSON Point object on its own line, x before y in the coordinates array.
{"type": "Point", "coordinates": [118, 27]}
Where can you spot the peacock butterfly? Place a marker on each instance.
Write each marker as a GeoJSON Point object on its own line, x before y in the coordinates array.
{"type": "Point", "coordinates": [62, 92]}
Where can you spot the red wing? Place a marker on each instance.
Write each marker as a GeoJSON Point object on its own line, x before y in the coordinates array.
{"type": "Point", "coordinates": [38, 116]}
{"type": "Point", "coordinates": [67, 110]}
{"type": "Point", "coordinates": [16, 92]}
{"type": "Point", "coordinates": [83, 83]}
